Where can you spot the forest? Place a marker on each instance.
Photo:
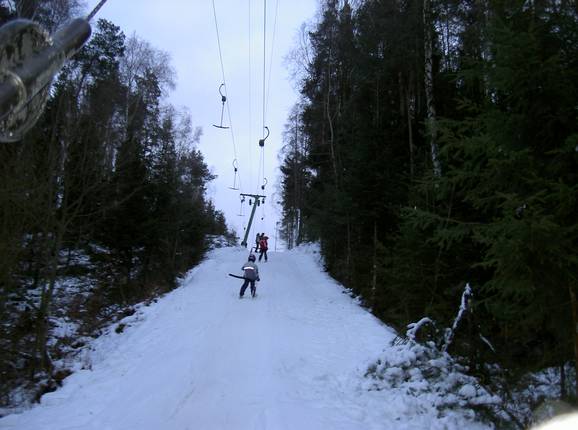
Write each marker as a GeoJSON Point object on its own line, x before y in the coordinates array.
{"type": "Point", "coordinates": [433, 155]}
{"type": "Point", "coordinates": [434, 146]}
{"type": "Point", "coordinates": [102, 204]}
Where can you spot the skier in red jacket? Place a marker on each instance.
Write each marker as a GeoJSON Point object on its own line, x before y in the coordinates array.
{"type": "Point", "coordinates": [263, 246]}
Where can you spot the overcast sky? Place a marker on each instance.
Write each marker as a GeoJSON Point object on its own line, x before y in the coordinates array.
{"type": "Point", "coordinates": [186, 29]}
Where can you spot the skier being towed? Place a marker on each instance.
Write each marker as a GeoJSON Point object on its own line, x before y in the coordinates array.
{"type": "Point", "coordinates": [251, 274]}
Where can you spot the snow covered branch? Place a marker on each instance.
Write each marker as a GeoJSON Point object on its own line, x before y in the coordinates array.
{"type": "Point", "coordinates": [449, 336]}
{"type": "Point", "coordinates": [414, 327]}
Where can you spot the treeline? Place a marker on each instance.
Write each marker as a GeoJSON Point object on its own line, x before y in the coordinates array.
{"type": "Point", "coordinates": [436, 144]}
{"type": "Point", "coordinates": [107, 186]}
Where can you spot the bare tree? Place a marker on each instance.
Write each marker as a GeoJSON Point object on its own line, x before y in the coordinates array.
{"type": "Point", "coordinates": [299, 60]}
{"type": "Point", "coordinates": [139, 58]}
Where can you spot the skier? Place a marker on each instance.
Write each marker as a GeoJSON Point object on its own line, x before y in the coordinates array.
{"type": "Point", "coordinates": [251, 274]}
{"type": "Point", "coordinates": [263, 246]}
{"type": "Point", "coordinates": [257, 239]}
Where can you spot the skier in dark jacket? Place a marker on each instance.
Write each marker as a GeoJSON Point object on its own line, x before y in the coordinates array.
{"type": "Point", "coordinates": [257, 240]}
{"type": "Point", "coordinates": [251, 274]}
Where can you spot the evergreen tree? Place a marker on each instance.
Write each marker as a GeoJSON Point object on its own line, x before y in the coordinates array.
{"type": "Point", "coordinates": [108, 172]}
{"type": "Point", "coordinates": [408, 235]}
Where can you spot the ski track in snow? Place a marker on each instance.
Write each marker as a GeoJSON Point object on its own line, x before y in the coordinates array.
{"type": "Point", "coordinates": [201, 359]}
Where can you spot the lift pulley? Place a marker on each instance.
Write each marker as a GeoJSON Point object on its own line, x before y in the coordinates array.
{"type": "Point", "coordinates": [235, 169]}
{"type": "Point", "coordinates": [223, 101]}
{"type": "Point", "coordinates": [241, 209]}
{"type": "Point", "coordinates": [262, 141]}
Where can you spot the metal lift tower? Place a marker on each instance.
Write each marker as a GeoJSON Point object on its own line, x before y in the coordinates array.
{"type": "Point", "coordinates": [256, 203]}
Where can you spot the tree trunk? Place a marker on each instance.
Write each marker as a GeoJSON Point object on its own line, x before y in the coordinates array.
{"type": "Point", "coordinates": [298, 227]}
{"type": "Point", "coordinates": [42, 358]}
{"type": "Point", "coordinates": [574, 305]}
{"type": "Point", "coordinates": [563, 381]}
{"type": "Point", "coordinates": [331, 134]}
{"type": "Point", "coordinates": [297, 173]}
{"type": "Point", "coordinates": [374, 264]}
{"type": "Point", "coordinates": [348, 259]}
{"type": "Point", "coordinates": [330, 121]}
{"type": "Point", "coordinates": [431, 125]}
{"type": "Point", "coordinates": [409, 113]}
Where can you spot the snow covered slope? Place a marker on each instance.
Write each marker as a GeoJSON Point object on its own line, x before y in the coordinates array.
{"type": "Point", "coordinates": [292, 358]}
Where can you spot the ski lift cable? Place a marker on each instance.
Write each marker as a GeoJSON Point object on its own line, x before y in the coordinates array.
{"type": "Point", "coordinates": [232, 129]}
{"type": "Point", "coordinates": [261, 172]}
{"type": "Point", "coordinates": [239, 182]}
{"type": "Point", "coordinates": [261, 169]}
{"type": "Point", "coordinates": [237, 172]}
{"type": "Point", "coordinates": [248, 143]}
{"type": "Point", "coordinates": [271, 56]}
{"type": "Point", "coordinates": [234, 145]}
{"type": "Point", "coordinates": [224, 79]}
{"type": "Point", "coordinates": [264, 55]}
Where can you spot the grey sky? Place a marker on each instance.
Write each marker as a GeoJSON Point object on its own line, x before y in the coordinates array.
{"type": "Point", "coordinates": [186, 29]}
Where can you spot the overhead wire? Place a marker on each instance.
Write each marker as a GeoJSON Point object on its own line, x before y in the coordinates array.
{"type": "Point", "coordinates": [264, 57]}
{"type": "Point", "coordinates": [249, 152]}
{"type": "Point", "coordinates": [269, 86]}
{"type": "Point", "coordinates": [271, 55]}
{"type": "Point", "coordinates": [261, 170]}
{"type": "Point", "coordinates": [226, 89]}
{"type": "Point", "coordinates": [266, 83]}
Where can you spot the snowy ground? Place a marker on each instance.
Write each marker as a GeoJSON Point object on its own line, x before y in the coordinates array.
{"type": "Point", "coordinates": [200, 358]}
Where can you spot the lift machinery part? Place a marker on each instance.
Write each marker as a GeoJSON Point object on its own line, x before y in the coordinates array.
{"type": "Point", "coordinates": [29, 60]}
{"type": "Point", "coordinates": [235, 169]}
{"type": "Point", "coordinates": [223, 101]}
{"type": "Point", "coordinates": [262, 141]}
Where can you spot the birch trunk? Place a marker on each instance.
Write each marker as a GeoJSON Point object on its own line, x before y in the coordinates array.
{"type": "Point", "coordinates": [331, 134]}
{"type": "Point", "coordinates": [431, 125]}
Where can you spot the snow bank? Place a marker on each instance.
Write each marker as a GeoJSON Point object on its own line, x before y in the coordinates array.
{"type": "Point", "coordinates": [565, 422]}
{"type": "Point", "coordinates": [433, 377]}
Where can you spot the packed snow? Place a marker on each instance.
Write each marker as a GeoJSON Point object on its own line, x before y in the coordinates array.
{"type": "Point", "coordinates": [301, 355]}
